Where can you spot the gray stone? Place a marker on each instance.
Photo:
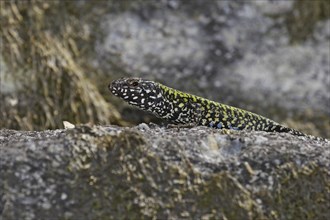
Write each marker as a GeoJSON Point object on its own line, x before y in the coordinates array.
{"type": "Point", "coordinates": [110, 172]}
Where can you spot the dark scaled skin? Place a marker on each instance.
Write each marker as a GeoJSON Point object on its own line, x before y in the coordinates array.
{"type": "Point", "coordinates": [182, 108]}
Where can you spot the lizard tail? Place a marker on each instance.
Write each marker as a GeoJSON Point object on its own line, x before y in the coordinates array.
{"type": "Point", "coordinates": [292, 131]}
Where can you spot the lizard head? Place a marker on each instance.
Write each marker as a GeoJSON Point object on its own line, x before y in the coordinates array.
{"type": "Point", "coordinates": [136, 91]}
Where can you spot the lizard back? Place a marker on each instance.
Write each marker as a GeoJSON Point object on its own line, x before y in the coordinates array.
{"type": "Point", "coordinates": [217, 115]}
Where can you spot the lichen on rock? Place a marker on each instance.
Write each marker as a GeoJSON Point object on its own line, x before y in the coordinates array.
{"type": "Point", "coordinates": [111, 172]}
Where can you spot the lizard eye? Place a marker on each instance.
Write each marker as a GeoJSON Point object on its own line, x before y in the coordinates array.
{"type": "Point", "coordinates": [135, 83]}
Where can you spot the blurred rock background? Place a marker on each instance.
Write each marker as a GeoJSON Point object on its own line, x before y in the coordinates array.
{"type": "Point", "coordinates": [269, 57]}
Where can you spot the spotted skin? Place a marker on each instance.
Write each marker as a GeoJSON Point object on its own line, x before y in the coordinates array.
{"type": "Point", "coordinates": [183, 108]}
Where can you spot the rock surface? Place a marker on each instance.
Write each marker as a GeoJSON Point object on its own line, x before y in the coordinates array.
{"type": "Point", "coordinates": [149, 172]}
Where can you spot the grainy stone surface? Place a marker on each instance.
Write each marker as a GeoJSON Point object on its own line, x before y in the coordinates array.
{"type": "Point", "coordinates": [150, 172]}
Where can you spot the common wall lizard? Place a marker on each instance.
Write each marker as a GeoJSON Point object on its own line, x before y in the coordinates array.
{"type": "Point", "coordinates": [184, 108]}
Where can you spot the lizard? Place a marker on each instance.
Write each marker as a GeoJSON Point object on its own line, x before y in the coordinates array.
{"type": "Point", "coordinates": [179, 107]}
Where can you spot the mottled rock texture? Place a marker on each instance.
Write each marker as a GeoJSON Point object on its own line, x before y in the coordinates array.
{"type": "Point", "coordinates": [150, 172]}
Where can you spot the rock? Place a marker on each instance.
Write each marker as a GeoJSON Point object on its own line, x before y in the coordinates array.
{"type": "Point", "coordinates": [153, 172]}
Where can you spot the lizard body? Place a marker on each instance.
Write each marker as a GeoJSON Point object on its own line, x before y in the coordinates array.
{"type": "Point", "coordinates": [183, 108]}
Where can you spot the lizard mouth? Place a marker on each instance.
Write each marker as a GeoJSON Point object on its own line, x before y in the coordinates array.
{"type": "Point", "coordinates": [113, 88]}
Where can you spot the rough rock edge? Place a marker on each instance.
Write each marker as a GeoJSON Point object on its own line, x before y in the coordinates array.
{"type": "Point", "coordinates": [152, 172]}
